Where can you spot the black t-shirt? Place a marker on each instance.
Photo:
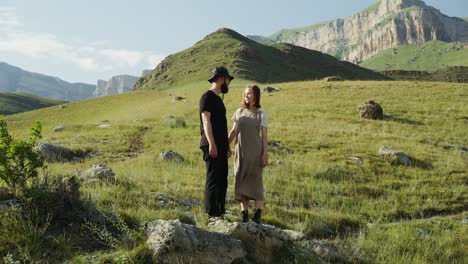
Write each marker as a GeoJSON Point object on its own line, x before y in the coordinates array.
{"type": "Point", "coordinates": [210, 102]}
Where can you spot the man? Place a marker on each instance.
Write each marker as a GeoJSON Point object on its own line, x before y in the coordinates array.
{"type": "Point", "coordinates": [214, 141]}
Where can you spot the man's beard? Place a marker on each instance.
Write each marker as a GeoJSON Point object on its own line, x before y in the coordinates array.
{"type": "Point", "coordinates": [224, 88]}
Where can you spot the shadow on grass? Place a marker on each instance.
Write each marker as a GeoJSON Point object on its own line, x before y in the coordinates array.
{"type": "Point", "coordinates": [397, 119]}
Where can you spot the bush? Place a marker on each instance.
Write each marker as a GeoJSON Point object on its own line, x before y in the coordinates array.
{"type": "Point", "coordinates": [19, 162]}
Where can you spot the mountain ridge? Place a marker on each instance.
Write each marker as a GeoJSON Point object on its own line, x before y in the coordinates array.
{"type": "Point", "coordinates": [249, 60]}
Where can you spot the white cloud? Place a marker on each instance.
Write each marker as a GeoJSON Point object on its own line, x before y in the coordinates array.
{"type": "Point", "coordinates": [96, 56]}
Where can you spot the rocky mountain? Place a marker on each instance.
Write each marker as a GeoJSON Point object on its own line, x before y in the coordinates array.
{"type": "Point", "coordinates": [383, 25]}
{"type": "Point", "coordinates": [116, 85]}
{"type": "Point", "coordinates": [14, 79]}
{"type": "Point", "coordinates": [249, 60]}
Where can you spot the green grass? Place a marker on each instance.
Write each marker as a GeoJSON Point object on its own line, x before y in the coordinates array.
{"type": "Point", "coordinates": [247, 59]}
{"type": "Point", "coordinates": [12, 103]}
{"type": "Point", "coordinates": [429, 56]}
{"type": "Point", "coordinates": [370, 210]}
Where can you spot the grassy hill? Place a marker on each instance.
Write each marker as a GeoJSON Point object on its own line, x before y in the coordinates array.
{"type": "Point", "coordinates": [249, 60]}
{"type": "Point", "coordinates": [12, 103]}
{"type": "Point", "coordinates": [332, 185]}
{"type": "Point", "coordinates": [429, 56]}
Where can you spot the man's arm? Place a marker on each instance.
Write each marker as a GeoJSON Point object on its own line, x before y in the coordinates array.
{"type": "Point", "coordinates": [213, 150]}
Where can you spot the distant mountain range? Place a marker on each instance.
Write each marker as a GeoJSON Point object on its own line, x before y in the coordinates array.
{"type": "Point", "coordinates": [13, 103]}
{"type": "Point", "coordinates": [249, 60]}
{"type": "Point", "coordinates": [383, 25]}
{"type": "Point", "coordinates": [14, 79]}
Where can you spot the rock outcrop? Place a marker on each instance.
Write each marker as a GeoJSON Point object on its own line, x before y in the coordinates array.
{"type": "Point", "coordinates": [116, 85]}
{"type": "Point", "coordinates": [386, 24]}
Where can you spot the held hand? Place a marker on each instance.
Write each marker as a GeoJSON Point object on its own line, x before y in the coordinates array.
{"type": "Point", "coordinates": [213, 151]}
{"type": "Point", "coordinates": [264, 160]}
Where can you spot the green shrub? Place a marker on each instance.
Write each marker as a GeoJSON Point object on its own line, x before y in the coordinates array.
{"type": "Point", "coordinates": [19, 162]}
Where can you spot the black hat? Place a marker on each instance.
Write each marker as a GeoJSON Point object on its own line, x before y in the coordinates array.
{"type": "Point", "coordinates": [219, 71]}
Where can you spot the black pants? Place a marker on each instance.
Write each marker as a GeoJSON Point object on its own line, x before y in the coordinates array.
{"type": "Point", "coordinates": [216, 182]}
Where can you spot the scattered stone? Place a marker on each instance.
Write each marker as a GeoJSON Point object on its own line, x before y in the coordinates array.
{"type": "Point", "coordinates": [165, 200]}
{"type": "Point", "coordinates": [170, 155]}
{"type": "Point", "coordinates": [326, 252]}
{"type": "Point", "coordinates": [270, 89]}
{"type": "Point", "coordinates": [53, 153]}
{"type": "Point", "coordinates": [333, 79]}
{"type": "Point", "coordinates": [396, 157]}
{"type": "Point", "coordinates": [293, 235]}
{"type": "Point", "coordinates": [62, 106]}
{"type": "Point", "coordinates": [58, 128]}
{"type": "Point", "coordinates": [178, 99]}
{"type": "Point", "coordinates": [465, 220]}
{"type": "Point", "coordinates": [5, 194]}
{"type": "Point", "coordinates": [279, 162]}
{"type": "Point", "coordinates": [422, 232]}
{"type": "Point", "coordinates": [371, 110]}
{"type": "Point", "coordinates": [174, 242]}
{"type": "Point", "coordinates": [98, 172]}
{"type": "Point", "coordinates": [105, 126]}
{"type": "Point", "coordinates": [278, 146]}
{"type": "Point", "coordinates": [356, 160]}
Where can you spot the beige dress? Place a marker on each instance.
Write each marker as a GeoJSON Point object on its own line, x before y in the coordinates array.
{"type": "Point", "coordinates": [248, 154]}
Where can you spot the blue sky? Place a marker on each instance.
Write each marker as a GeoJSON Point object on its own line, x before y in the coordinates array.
{"type": "Point", "coordinates": [86, 40]}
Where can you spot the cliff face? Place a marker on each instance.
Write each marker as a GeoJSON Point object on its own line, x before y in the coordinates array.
{"type": "Point", "coordinates": [386, 24]}
{"type": "Point", "coordinates": [116, 85]}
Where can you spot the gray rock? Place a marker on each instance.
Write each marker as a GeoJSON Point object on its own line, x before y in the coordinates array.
{"type": "Point", "coordinates": [174, 242]}
{"type": "Point", "coordinates": [98, 172]}
{"type": "Point", "coordinates": [333, 79]}
{"type": "Point", "coordinates": [53, 153]}
{"type": "Point", "coordinates": [261, 241]}
{"type": "Point", "coordinates": [465, 220]}
{"type": "Point", "coordinates": [270, 89]}
{"type": "Point", "coordinates": [105, 126]}
{"type": "Point", "coordinates": [396, 157]}
{"type": "Point", "coordinates": [171, 155]}
{"type": "Point", "coordinates": [371, 110]}
{"type": "Point", "coordinates": [326, 252]}
{"type": "Point", "coordinates": [165, 200]}
{"type": "Point", "coordinates": [58, 128]}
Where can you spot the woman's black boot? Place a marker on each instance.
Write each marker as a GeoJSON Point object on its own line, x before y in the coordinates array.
{"type": "Point", "coordinates": [245, 216]}
{"type": "Point", "coordinates": [257, 218]}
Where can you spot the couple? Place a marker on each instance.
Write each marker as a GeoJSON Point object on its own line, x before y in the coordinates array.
{"type": "Point", "coordinates": [250, 134]}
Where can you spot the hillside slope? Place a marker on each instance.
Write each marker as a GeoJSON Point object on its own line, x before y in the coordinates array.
{"type": "Point", "coordinates": [428, 56]}
{"type": "Point", "coordinates": [12, 103]}
{"type": "Point", "coordinates": [249, 60]}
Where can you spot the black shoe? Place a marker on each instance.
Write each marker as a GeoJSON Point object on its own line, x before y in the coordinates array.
{"type": "Point", "coordinates": [257, 218]}
{"type": "Point", "coordinates": [245, 216]}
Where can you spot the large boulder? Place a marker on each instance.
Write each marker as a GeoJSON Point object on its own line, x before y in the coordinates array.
{"type": "Point", "coordinates": [333, 79]}
{"type": "Point", "coordinates": [371, 110]}
{"type": "Point", "coordinates": [261, 241]}
{"type": "Point", "coordinates": [98, 172]}
{"type": "Point", "coordinates": [171, 155]}
{"type": "Point", "coordinates": [53, 153]}
{"type": "Point", "coordinates": [174, 242]}
{"type": "Point", "coordinates": [395, 157]}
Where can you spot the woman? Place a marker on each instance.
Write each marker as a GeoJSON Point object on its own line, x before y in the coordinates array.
{"type": "Point", "coordinates": [250, 131]}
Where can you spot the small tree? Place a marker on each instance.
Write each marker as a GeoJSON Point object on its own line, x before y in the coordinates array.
{"type": "Point", "coordinates": [19, 162]}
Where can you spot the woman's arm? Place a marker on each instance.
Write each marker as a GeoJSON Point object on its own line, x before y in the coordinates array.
{"type": "Point", "coordinates": [233, 133]}
{"type": "Point", "coordinates": [265, 146]}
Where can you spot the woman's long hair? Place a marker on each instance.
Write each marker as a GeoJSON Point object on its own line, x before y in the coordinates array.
{"type": "Point", "coordinates": [256, 100]}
